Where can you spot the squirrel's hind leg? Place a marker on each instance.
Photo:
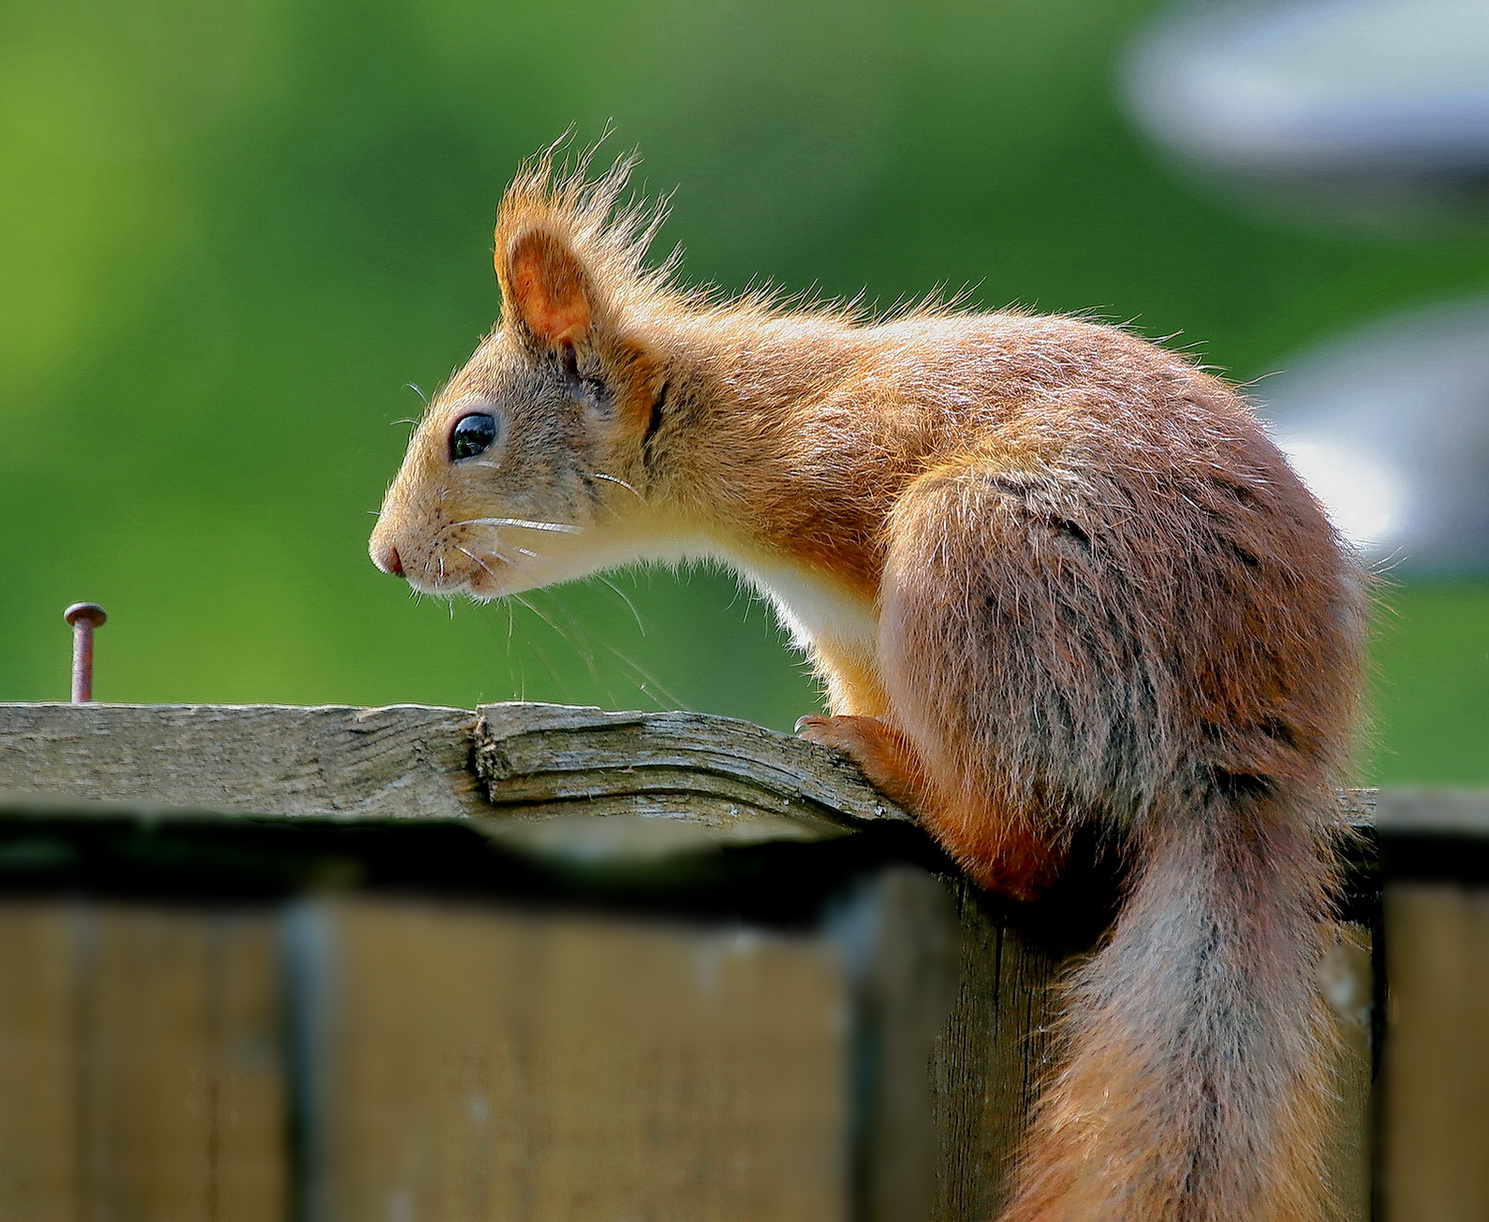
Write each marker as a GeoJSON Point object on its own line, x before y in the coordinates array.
{"type": "Point", "coordinates": [1008, 674]}
{"type": "Point", "coordinates": [999, 854]}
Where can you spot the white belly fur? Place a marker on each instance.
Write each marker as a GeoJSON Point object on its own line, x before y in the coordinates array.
{"type": "Point", "coordinates": [814, 608]}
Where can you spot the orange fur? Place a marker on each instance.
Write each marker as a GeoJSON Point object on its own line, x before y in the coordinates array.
{"type": "Point", "coordinates": [1053, 576]}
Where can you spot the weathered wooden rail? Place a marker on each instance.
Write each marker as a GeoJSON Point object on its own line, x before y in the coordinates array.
{"type": "Point", "coordinates": [537, 962]}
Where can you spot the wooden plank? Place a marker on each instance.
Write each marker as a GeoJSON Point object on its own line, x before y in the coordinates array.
{"type": "Point", "coordinates": [247, 1084]}
{"type": "Point", "coordinates": [139, 1070]}
{"type": "Point", "coordinates": [333, 762]}
{"type": "Point", "coordinates": [1436, 812]}
{"type": "Point", "coordinates": [990, 1056]}
{"type": "Point", "coordinates": [1347, 975]}
{"type": "Point", "coordinates": [506, 1068]}
{"type": "Point", "coordinates": [736, 782]}
{"type": "Point", "coordinates": [509, 765]}
{"type": "Point", "coordinates": [181, 1094]}
{"type": "Point", "coordinates": [39, 1122]}
{"type": "Point", "coordinates": [1436, 1140]}
{"type": "Point", "coordinates": [901, 940]}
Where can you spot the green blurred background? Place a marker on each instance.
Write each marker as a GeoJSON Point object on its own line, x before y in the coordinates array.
{"type": "Point", "coordinates": [231, 237]}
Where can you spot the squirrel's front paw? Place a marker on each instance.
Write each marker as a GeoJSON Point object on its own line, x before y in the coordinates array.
{"type": "Point", "coordinates": [884, 754]}
{"type": "Point", "coordinates": [859, 737]}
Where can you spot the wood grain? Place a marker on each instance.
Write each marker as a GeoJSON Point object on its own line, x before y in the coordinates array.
{"type": "Point", "coordinates": [1435, 1132]}
{"type": "Point", "coordinates": [404, 761]}
{"type": "Point", "coordinates": [483, 1065]}
{"type": "Point", "coordinates": [990, 1056]}
{"type": "Point", "coordinates": [40, 1125]}
{"type": "Point", "coordinates": [513, 763]}
{"type": "Point", "coordinates": [140, 1074]}
{"type": "Point", "coordinates": [507, 764]}
{"type": "Point", "coordinates": [542, 760]}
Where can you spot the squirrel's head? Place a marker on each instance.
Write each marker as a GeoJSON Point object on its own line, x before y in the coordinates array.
{"type": "Point", "coordinates": [529, 463]}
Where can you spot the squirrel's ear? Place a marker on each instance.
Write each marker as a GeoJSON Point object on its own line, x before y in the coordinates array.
{"type": "Point", "coordinates": [546, 288]}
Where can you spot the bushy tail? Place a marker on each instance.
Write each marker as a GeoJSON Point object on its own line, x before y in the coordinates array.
{"type": "Point", "coordinates": [1197, 1080]}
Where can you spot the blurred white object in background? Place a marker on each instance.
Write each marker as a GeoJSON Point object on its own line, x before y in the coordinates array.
{"type": "Point", "coordinates": [1375, 110]}
{"type": "Point", "coordinates": [1389, 425]}
{"type": "Point", "coordinates": [1359, 110]}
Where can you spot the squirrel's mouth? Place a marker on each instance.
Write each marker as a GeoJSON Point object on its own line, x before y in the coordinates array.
{"type": "Point", "coordinates": [460, 569]}
{"type": "Point", "coordinates": [483, 563]}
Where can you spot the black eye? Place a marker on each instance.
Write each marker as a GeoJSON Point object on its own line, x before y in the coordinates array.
{"type": "Point", "coordinates": [471, 435]}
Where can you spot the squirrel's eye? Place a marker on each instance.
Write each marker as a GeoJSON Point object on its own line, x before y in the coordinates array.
{"type": "Point", "coordinates": [471, 436]}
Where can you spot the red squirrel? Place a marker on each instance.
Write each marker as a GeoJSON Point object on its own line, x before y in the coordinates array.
{"type": "Point", "coordinates": [1052, 576]}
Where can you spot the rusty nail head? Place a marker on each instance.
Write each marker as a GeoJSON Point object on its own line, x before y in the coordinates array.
{"type": "Point", "coordinates": [84, 617]}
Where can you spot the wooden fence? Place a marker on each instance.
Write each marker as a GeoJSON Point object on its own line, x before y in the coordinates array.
{"type": "Point", "coordinates": [537, 963]}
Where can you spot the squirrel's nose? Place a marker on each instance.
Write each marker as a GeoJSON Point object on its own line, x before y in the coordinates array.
{"type": "Point", "coordinates": [386, 558]}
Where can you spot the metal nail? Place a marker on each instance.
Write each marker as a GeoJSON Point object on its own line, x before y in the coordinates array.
{"type": "Point", "coordinates": [84, 617]}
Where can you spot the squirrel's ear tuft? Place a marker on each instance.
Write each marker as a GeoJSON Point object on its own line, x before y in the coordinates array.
{"type": "Point", "coordinates": [546, 288]}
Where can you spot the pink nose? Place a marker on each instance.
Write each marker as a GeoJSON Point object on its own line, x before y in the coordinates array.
{"type": "Point", "coordinates": [387, 560]}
